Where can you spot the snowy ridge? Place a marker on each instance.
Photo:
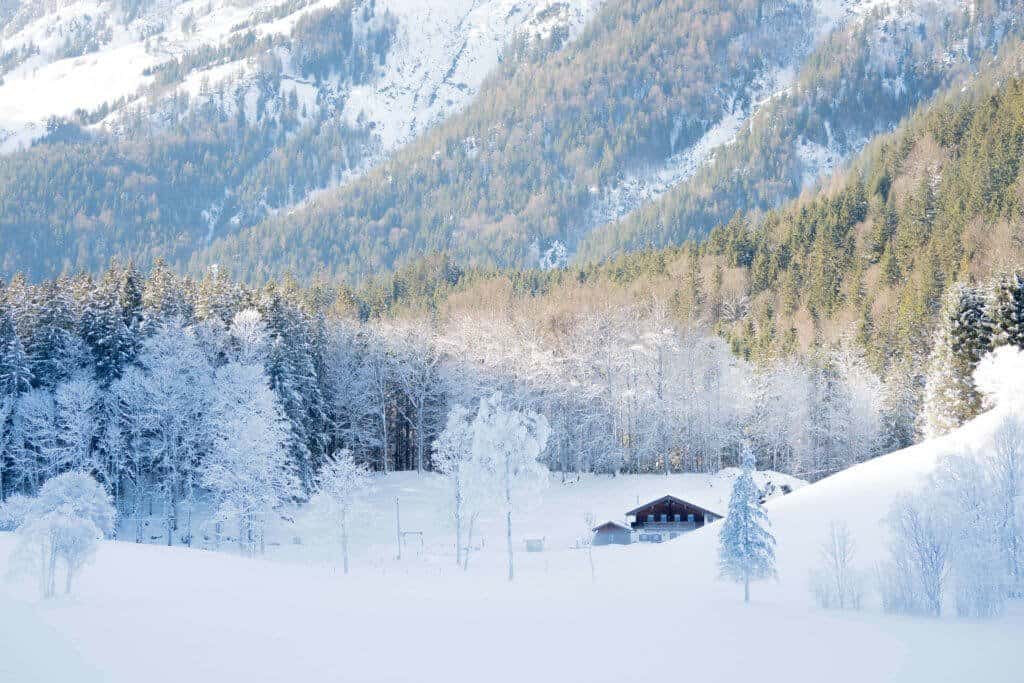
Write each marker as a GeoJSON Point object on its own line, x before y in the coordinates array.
{"type": "Point", "coordinates": [442, 54]}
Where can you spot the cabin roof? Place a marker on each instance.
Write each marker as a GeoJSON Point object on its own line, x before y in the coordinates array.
{"type": "Point", "coordinates": [673, 498]}
{"type": "Point", "coordinates": [616, 525]}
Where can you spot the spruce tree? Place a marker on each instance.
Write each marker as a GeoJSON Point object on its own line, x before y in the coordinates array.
{"type": "Point", "coordinates": [963, 337]}
{"type": "Point", "coordinates": [746, 545]}
{"type": "Point", "coordinates": [1008, 310]}
{"type": "Point", "coordinates": [15, 371]}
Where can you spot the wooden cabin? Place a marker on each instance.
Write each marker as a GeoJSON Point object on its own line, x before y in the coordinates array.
{"type": "Point", "coordinates": [668, 517]}
{"type": "Point", "coordinates": [612, 533]}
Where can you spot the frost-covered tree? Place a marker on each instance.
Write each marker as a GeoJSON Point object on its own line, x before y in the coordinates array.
{"type": "Point", "coordinates": [248, 468]}
{"type": "Point", "coordinates": [416, 374]}
{"type": "Point", "coordinates": [915, 579]}
{"type": "Point", "coordinates": [249, 338]}
{"type": "Point", "coordinates": [77, 402]}
{"type": "Point", "coordinates": [746, 550]}
{"type": "Point", "coordinates": [167, 406]}
{"type": "Point", "coordinates": [339, 484]}
{"type": "Point", "coordinates": [455, 459]}
{"type": "Point", "coordinates": [509, 442]}
{"type": "Point", "coordinates": [836, 583]}
{"type": "Point", "coordinates": [62, 525]}
{"type": "Point", "coordinates": [35, 453]}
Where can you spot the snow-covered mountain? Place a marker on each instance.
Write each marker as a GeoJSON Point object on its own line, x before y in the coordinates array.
{"type": "Point", "coordinates": [520, 132]}
{"type": "Point", "coordinates": [60, 58]}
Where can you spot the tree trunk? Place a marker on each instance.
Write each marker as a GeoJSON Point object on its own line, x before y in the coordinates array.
{"type": "Point", "coordinates": [458, 525]}
{"type": "Point", "coordinates": [398, 530]}
{"type": "Point", "coordinates": [169, 519]}
{"type": "Point", "coordinates": [508, 537]}
{"type": "Point", "coordinates": [469, 543]}
{"type": "Point", "coordinates": [344, 542]}
{"type": "Point", "coordinates": [508, 514]}
{"type": "Point", "coordinates": [746, 588]}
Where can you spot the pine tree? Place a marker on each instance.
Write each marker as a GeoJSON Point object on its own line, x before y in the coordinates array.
{"type": "Point", "coordinates": [15, 371]}
{"type": "Point", "coordinates": [111, 342]}
{"type": "Point", "coordinates": [964, 336]}
{"type": "Point", "coordinates": [746, 545]}
{"type": "Point", "coordinates": [1008, 310]}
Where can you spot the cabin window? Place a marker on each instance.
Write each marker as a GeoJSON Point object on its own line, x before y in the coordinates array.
{"type": "Point", "coordinates": [689, 518]}
{"type": "Point", "coordinates": [664, 518]}
{"type": "Point", "coordinates": [650, 518]}
{"type": "Point", "coordinates": [678, 518]}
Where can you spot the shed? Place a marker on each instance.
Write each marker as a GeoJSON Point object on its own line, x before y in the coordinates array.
{"type": "Point", "coordinates": [612, 533]}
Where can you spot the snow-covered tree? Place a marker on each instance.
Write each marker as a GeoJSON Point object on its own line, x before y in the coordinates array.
{"type": "Point", "coordinates": [746, 545]}
{"type": "Point", "coordinates": [77, 402]}
{"type": "Point", "coordinates": [836, 583]}
{"type": "Point", "coordinates": [62, 525]}
{"type": "Point", "coordinates": [167, 406]}
{"type": "Point", "coordinates": [915, 579]}
{"type": "Point", "coordinates": [339, 484]}
{"type": "Point", "coordinates": [416, 374]}
{"type": "Point", "coordinates": [455, 459]}
{"type": "Point", "coordinates": [249, 338]}
{"type": "Point", "coordinates": [35, 453]}
{"type": "Point", "coordinates": [248, 468]}
{"type": "Point", "coordinates": [509, 443]}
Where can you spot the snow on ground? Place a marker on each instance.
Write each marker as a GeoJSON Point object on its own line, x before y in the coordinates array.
{"type": "Point", "coordinates": [653, 611]}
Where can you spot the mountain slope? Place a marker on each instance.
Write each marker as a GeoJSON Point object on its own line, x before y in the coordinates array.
{"type": "Point", "coordinates": [557, 150]}
{"type": "Point", "coordinates": [161, 126]}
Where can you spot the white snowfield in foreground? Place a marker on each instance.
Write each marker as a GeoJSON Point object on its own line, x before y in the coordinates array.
{"type": "Point", "coordinates": [150, 613]}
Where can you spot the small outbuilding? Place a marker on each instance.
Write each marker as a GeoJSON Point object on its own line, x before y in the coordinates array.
{"type": "Point", "coordinates": [612, 533]}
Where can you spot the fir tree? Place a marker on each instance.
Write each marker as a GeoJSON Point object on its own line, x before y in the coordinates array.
{"type": "Point", "coordinates": [1008, 310]}
{"type": "Point", "coordinates": [964, 336]}
{"type": "Point", "coordinates": [746, 545]}
{"type": "Point", "coordinates": [15, 372]}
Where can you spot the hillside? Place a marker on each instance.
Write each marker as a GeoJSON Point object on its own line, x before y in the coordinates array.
{"type": "Point", "coordinates": [519, 134]}
{"type": "Point", "coordinates": [867, 257]}
{"type": "Point", "coordinates": [225, 617]}
{"type": "Point", "coordinates": [165, 124]}
{"type": "Point", "coordinates": [544, 165]}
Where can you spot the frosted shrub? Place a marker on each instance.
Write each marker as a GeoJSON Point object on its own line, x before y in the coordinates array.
{"type": "Point", "coordinates": [897, 587]}
{"type": "Point", "coordinates": [13, 511]}
{"type": "Point", "coordinates": [920, 550]}
{"type": "Point", "coordinates": [62, 526]}
{"type": "Point", "coordinates": [979, 576]}
{"type": "Point", "coordinates": [837, 584]}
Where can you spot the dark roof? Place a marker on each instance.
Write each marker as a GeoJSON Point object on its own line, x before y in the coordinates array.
{"type": "Point", "coordinates": [678, 500]}
{"type": "Point", "coordinates": [617, 525]}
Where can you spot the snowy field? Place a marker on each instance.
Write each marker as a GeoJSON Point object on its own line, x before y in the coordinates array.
{"type": "Point", "coordinates": [153, 613]}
